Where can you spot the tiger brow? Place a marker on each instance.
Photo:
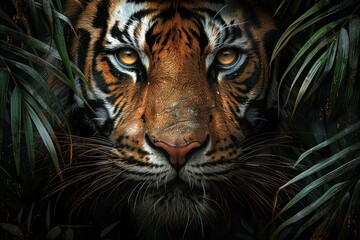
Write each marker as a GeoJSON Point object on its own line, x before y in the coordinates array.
{"type": "Point", "coordinates": [123, 35]}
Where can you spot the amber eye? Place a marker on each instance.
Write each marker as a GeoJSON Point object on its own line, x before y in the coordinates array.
{"type": "Point", "coordinates": [227, 56]}
{"type": "Point", "coordinates": [127, 56]}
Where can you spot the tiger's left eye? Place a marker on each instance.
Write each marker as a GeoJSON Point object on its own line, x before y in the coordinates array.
{"type": "Point", "coordinates": [227, 56]}
{"type": "Point", "coordinates": [128, 56]}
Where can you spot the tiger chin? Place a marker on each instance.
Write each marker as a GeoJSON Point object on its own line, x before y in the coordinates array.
{"type": "Point", "coordinates": [175, 115]}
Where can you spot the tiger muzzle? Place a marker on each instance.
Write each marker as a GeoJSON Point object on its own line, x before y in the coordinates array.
{"type": "Point", "coordinates": [178, 134]}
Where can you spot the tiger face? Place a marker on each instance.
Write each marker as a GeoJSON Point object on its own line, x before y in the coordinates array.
{"type": "Point", "coordinates": [177, 88]}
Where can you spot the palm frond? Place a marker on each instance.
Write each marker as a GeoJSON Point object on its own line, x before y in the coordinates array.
{"type": "Point", "coordinates": [325, 89]}
{"type": "Point", "coordinates": [32, 47]}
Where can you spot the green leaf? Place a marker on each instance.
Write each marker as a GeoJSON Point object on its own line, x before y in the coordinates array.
{"type": "Point", "coordinates": [49, 104]}
{"type": "Point", "coordinates": [342, 169]}
{"type": "Point", "coordinates": [61, 46]}
{"type": "Point", "coordinates": [70, 234]}
{"type": "Point", "coordinates": [34, 14]}
{"type": "Point", "coordinates": [46, 49]}
{"type": "Point", "coordinates": [311, 208]}
{"type": "Point", "coordinates": [37, 79]}
{"type": "Point", "coordinates": [30, 41]}
{"type": "Point", "coordinates": [30, 217]}
{"type": "Point", "coordinates": [4, 84]}
{"type": "Point", "coordinates": [45, 130]}
{"type": "Point", "coordinates": [29, 139]}
{"type": "Point", "coordinates": [38, 60]}
{"type": "Point", "coordinates": [46, 4]}
{"type": "Point", "coordinates": [308, 60]}
{"type": "Point", "coordinates": [108, 229]}
{"type": "Point", "coordinates": [326, 225]}
{"type": "Point", "coordinates": [66, 20]}
{"type": "Point", "coordinates": [54, 233]}
{"type": "Point", "coordinates": [328, 66]}
{"type": "Point", "coordinates": [314, 219]}
{"type": "Point", "coordinates": [352, 213]}
{"type": "Point", "coordinates": [294, 28]}
{"type": "Point", "coordinates": [247, 227]}
{"type": "Point", "coordinates": [13, 229]}
{"type": "Point", "coordinates": [308, 79]}
{"type": "Point", "coordinates": [334, 138]}
{"type": "Point", "coordinates": [311, 42]}
{"type": "Point", "coordinates": [15, 107]}
{"type": "Point", "coordinates": [20, 216]}
{"type": "Point", "coordinates": [353, 95]}
{"type": "Point", "coordinates": [47, 218]}
{"type": "Point", "coordinates": [323, 164]}
{"type": "Point", "coordinates": [342, 209]}
{"type": "Point", "coordinates": [340, 66]}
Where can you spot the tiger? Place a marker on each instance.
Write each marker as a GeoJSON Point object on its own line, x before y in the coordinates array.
{"type": "Point", "coordinates": [178, 104]}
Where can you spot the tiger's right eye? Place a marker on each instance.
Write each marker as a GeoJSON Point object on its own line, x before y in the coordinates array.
{"type": "Point", "coordinates": [127, 56]}
{"type": "Point", "coordinates": [227, 56]}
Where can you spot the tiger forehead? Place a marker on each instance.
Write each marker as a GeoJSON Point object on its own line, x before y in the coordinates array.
{"type": "Point", "coordinates": [140, 24]}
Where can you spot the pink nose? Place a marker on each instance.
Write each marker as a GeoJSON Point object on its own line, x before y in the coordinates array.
{"type": "Point", "coordinates": [177, 154]}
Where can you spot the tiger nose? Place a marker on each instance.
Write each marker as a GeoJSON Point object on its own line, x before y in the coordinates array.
{"type": "Point", "coordinates": [177, 155]}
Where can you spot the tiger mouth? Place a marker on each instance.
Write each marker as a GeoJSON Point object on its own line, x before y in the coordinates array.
{"type": "Point", "coordinates": [176, 205]}
{"type": "Point", "coordinates": [175, 199]}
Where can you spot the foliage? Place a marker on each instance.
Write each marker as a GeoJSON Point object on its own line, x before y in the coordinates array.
{"type": "Point", "coordinates": [325, 41]}
{"type": "Point", "coordinates": [321, 80]}
{"type": "Point", "coordinates": [31, 33]}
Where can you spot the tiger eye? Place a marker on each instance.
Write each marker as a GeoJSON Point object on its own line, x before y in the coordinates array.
{"type": "Point", "coordinates": [128, 56]}
{"type": "Point", "coordinates": [227, 56]}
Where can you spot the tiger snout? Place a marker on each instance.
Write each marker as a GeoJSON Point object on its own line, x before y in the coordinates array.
{"type": "Point", "coordinates": [178, 154]}
{"type": "Point", "coordinates": [178, 138]}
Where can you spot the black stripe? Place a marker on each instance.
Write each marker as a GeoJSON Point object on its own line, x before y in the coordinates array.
{"type": "Point", "coordinates": [102, 14]}
{"type": "Point", "coordinates": [166, 39]}
{"type": "Point", "coordinates": [83, 47]}
{"type": "Point", "coordinates": [252, 80]}
{"type": "Point", "coordinates": [150, 38]}
{"type": "Point", "coordinates": [234, 112]}
{"type": "Point", "coordinates": [114, 97]}
{"type": "Point", "coordinates": [238, 98]}
{"type": "Point", "coordinates": [101, 82]}
{"type": "Point", "coordinates": [122, 36]}
{"type": "Point", "coordinates": [212, 74]}
{"type": "Point", "coordinates": [98, 103]}
{"type": "Point", "coordinates": [167, 14]}
{"type": "Point", "coordinates": [235, 33]}
{"type": "Point", "coordinates": [121, 109]}
{"type": "Point", "coordinates": [188, 37]}
{"type": "Point", "coordinates": [107, 127]}
{"type": "Point", "coordinates": [141, 14]}
{"type": "Point", "coordinates": [203, 40]}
